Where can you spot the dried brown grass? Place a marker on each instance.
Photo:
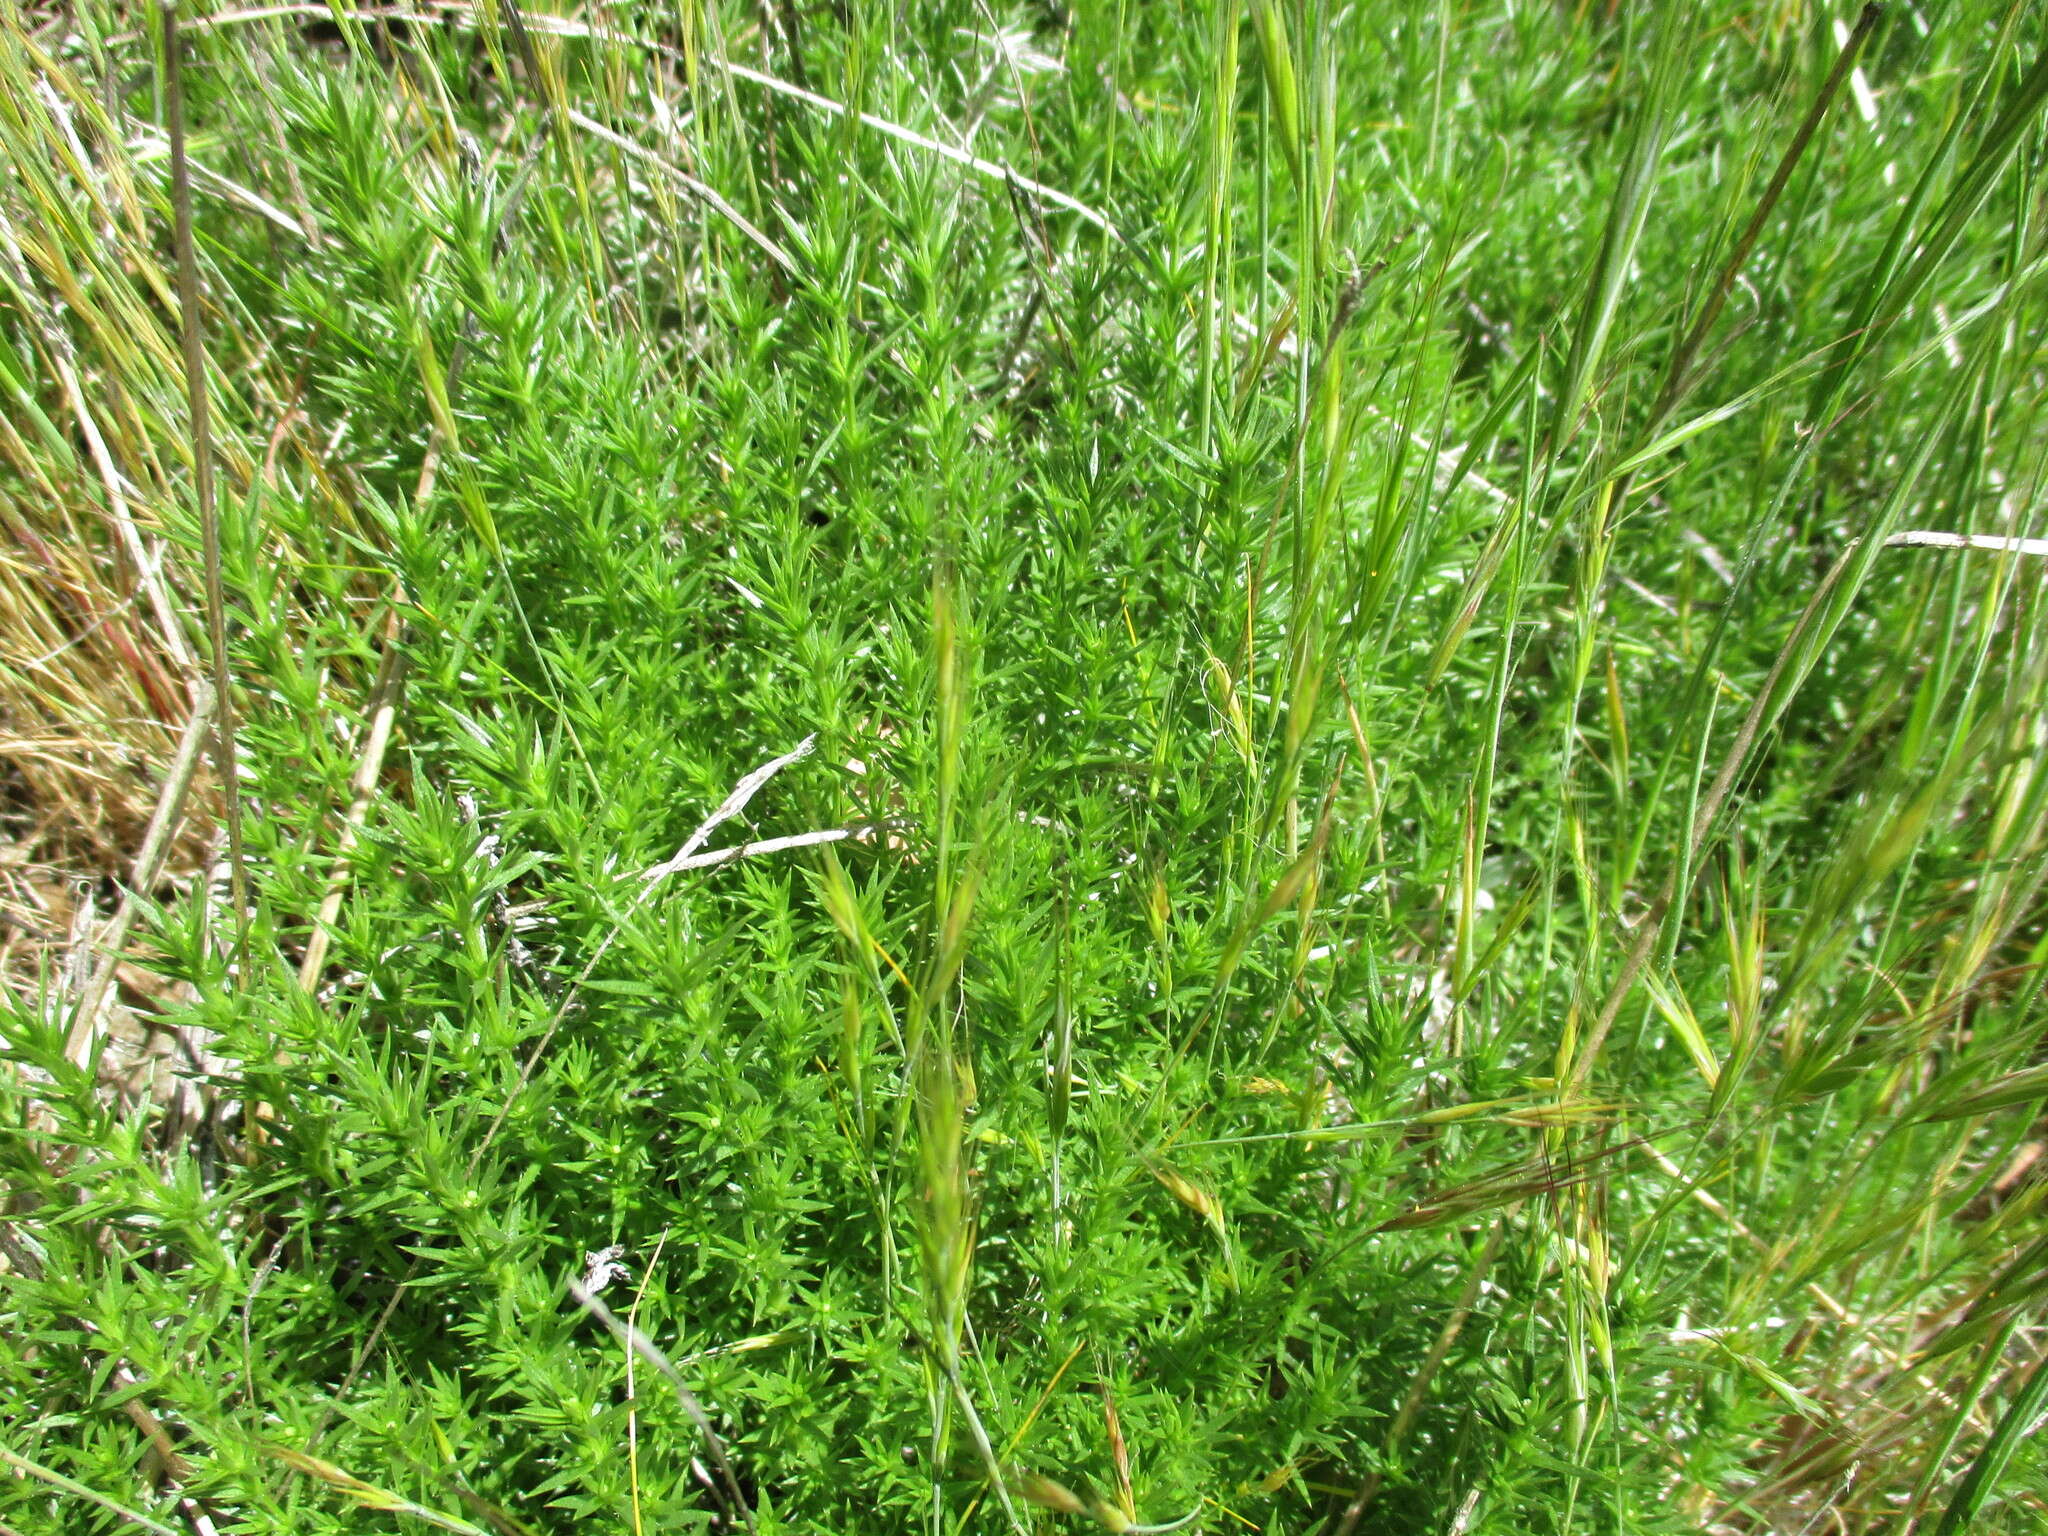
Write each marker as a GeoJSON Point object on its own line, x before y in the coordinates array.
{"type": "Point", "coordinates": [102, 631]}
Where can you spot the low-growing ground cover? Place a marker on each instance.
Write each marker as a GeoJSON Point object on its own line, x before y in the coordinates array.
{"type": "Point", "coordinates": [1025, 769]}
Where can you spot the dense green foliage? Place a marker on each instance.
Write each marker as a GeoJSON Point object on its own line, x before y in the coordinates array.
{"type": "Point", "coordinates": [1386, 746]}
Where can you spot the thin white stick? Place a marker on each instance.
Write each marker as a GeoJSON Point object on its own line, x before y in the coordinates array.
{"type": "Point", "coordinates": [733, 804]}
{"type": "Point", "coordinates": [768, 845]}
{"type": "Point", "coordinates": [1930, 538]}
{"type": "Point", "coordinates": [992, 169]}
{"type": "Point", "coordinates": [147, 147]}
{"type": "Point", "coordinates": [693, 186]}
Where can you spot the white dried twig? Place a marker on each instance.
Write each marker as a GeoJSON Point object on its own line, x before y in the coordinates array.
{"type": "Point", "coordinates": [732, 805]}
{"type": "Point", "coordinates": [719, 856]}
{"type": "Point", "coordinates": [1931, 538]}
{"type": "Point", "coordinates": [147, 148]}
{"type": "Point", "coordinates": [994, 170]}
{"type": "Point", "coordinates": [694, 187]}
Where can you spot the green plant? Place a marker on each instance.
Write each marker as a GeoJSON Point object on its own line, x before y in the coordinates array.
{"type": "Point", "coordinates": [1129, 767]}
